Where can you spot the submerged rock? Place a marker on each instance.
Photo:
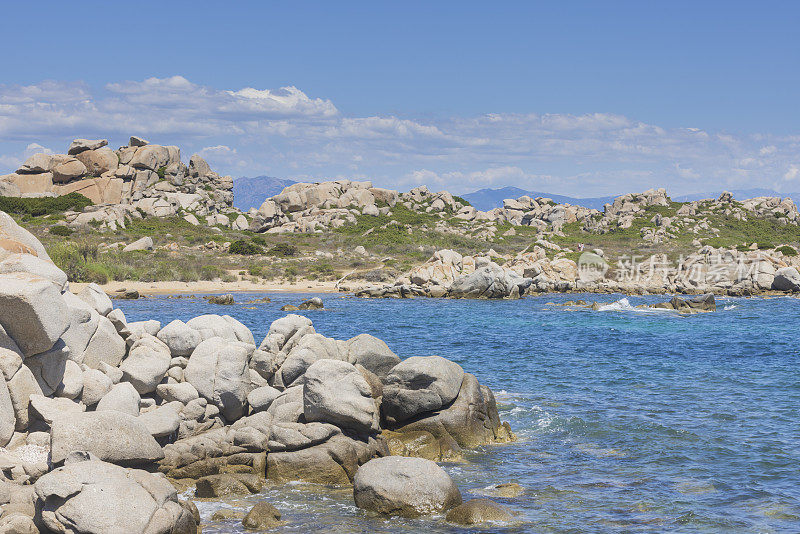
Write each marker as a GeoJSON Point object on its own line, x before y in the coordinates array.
{"type": "Point", "coordinates": [225, 300]}
{"type": "Point", "coordinates": [262, 516]}
{"type": "Point", "coordinates": [476, 511]}
{"type": "Point", "coordinates": [311, 304]}
{"type": "Point", "coordinates": [227, 484]}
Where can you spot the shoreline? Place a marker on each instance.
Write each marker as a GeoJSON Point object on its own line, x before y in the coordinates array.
{"type": "Point", "coordinates": [177, 287]}
{"type": "Point", "coordinates": [306, 286]}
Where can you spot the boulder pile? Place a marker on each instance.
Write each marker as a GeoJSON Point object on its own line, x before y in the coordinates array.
{"type": "Point", "coordinates": [312, 207]}
{"type": "Point", "coordinates": [449, 274]}
{"type": "Point", "coordinates": [139, 178]}
{"type": "Point", "coordinates": [98, 414]}
{"type": "Point", "coordinates": [546, 268]}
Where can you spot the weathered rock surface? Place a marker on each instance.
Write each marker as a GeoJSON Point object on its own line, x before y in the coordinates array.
{"type": "Point", "coordinates": [420, 384]}
{"type": "Point", "coordinates": [121, 397]}
{"type": "Point", "coordinates": [94, 496]}
{"type": "Point", "coordinates": [409, 487]}
{"type": "Point", "coordinates": [218, 369]}
{"type": "Point", "coordinates": [32, 312]}
{"type": "Point", "coordinates": [786, 279]}
{"type": "Point", "coordinates": [147, 363]}
{"type": "Point", "coordinates": [112, 436]}
{"type": "Point", "coordinates": [335, 392]}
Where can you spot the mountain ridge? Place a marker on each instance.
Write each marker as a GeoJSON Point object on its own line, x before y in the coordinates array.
{"type": "Point", "coordinates": [488, 198]}
{"type": "Point", "coordinates": [251, 192]}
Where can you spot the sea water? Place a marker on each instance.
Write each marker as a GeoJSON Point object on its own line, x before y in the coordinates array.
{"type": "Point", "coordinates": [627, 421]}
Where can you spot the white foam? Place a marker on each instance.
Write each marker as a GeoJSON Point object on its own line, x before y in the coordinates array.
{"type": "Point", "coordinates": [621, 305]}
{"type": "Point", "coordinates": [624, 305]}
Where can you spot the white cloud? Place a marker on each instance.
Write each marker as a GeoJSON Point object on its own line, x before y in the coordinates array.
{"type": "Point", "coordinates": [36, 148]}
{"type": "Point", "coordinates": [284, 132]}
{"type": "Point", "coordinates": [220, 156]}
{"type": "Point", "coordinates": [793, 173]}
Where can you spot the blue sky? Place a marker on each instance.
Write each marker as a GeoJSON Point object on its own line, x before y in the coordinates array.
{"type": "Point", "coordinates": [583, 98]}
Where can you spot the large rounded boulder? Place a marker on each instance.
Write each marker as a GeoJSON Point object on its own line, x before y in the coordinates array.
{"type": "Point", "coordinates": [218, 369]}
{"type": "Point", "coordinates": [371, 353]}
{"type": "Point", "coordinates": [95, 496]}
{"type": "Point", "coordinates": [409, 487]}
{"type": "Point", "coordinates": [336, 392]}
{"type": "Point", "coordinates": [420, 384]}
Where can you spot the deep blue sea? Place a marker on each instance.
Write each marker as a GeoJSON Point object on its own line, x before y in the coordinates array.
{"type": "Point", "coordinates": [627, 421]}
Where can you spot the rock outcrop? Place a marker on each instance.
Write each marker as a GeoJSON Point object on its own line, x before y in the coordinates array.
{"type": "Point", "coordinates": [136, 179]}
{"type": "Point", "coordinates": [312, 207]}
{"type": "Point", "coordinates": [449, 274]}
{"type": "Point", "coordinates": [87, 398]}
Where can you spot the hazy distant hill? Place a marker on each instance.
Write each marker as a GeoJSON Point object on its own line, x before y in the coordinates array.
{"type": "Point", "coordinates": [486, 199]}
{"type": "Point", "coordinates": [738, 194]}
{"type": "Point", "coordinates": [251, 192]}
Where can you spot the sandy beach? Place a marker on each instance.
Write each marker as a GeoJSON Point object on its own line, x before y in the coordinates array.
{"type": "Point", "coordinates": [207, 286]}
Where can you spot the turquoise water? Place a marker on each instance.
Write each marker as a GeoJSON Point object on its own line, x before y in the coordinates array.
{"type": "Point", "coordinates": [628, 422]}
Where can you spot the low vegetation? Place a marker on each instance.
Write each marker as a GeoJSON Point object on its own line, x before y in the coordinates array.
{"type": "Point", "coordinates": [36, 207]}
{"type": "Point", "coordinates": [395, 244]}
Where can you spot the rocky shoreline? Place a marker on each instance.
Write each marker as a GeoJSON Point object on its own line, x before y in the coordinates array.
{"type": "Point", "coordinates": [719, 271]}
{"type": "Point", "coordinates": [102, 419]}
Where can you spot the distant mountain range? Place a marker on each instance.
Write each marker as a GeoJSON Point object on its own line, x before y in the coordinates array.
{"type": "Point", "coordinates": [252, 192]}
{"type": "Point", "coordinates": [738, 194]}
{"type": "Point", "coordinates": [487, 199]}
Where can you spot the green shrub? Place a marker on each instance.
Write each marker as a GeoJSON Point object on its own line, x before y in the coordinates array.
{"type": "Point", "coordinates": [59, 230]}
{"type": "Point", "coordinates": [461, 200]}
{"type": "Point", "coordinates": [283, 249]}
{"type": "Point", "coordinates": [67, 257]}
{"type": "Point", "coordinates": [161, 172]}
{"type": "Point", "coordinates": [210, 272]}
{"type": "Point", "coordinates": [255, 270]}
{"type": "Point", "coordinates": [260, 241]}
{"type": "Point", "coordinates": [764, 245]}
{"type": "Point", "coordinates": [245, 248]}
{"type": "Point", "coordinates": [786, 250]}
{"type": "Point", "coordinates": [742, 248]}
{"type": "Point", "coordinates": [44, 205]}
{"type": "Point", "coordinates": [323, 269]}
{"type": "Point", "coordinates": [99, 273]}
